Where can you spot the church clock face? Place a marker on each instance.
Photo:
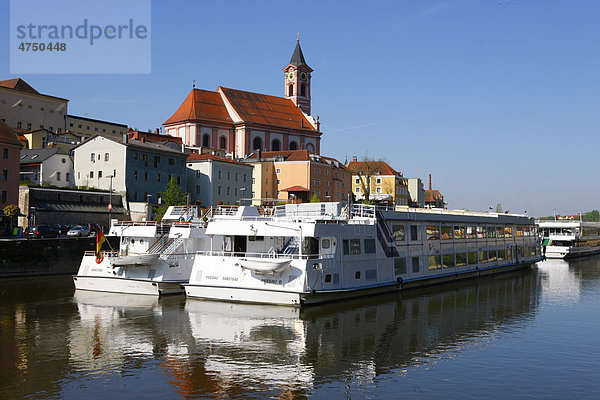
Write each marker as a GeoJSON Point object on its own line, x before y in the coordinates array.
{"type": "Point", "coordinates": [303, 76]}
{"type": "Point", "coordinates": [290, 76]}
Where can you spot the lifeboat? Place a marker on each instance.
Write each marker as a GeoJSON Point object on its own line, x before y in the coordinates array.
{"type": "Point", "coordinates": [134, 259]}
{"type": "Point", "coordinates": [264, 265]}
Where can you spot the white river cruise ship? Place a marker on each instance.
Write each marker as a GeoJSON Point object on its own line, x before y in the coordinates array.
{"type": "Point", "coordinates": [564, 239]}
{"type": "Point", "coordinates": [316, 252]}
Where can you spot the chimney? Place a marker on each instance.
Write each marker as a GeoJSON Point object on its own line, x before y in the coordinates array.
{"type": "Point", "coordinates": [429, 181]}
{"type": "Point", "coordinates": [354, 159]}
{"type": "Point", "coordinates": [157, 131]}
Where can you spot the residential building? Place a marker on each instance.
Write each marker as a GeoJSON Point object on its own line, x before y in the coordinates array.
{"type": "Point", "coordinates": [416, 192]}
{"type": "Point", "coordinates": [212, 179]}
{"type": "Point", "coordinates": [10, 147]}
{"type": "Point", "coordinates": [23, 107]}
{"type": "Point", "coordinates": [241, 122]}
{"type": "Point", "coordinates": [154, 137]}
{"type": "Point", "coordinates": [139, 170]}
{"type": "Point", "coordinates": [297, 175]}
{"type": "Point", "coordinates": [52, 166]}
{"type": "Point", "coordinates": [384, 183]}
{"type": "Point", "coordinates": [85, 127]}
{"type": "Point", "coordinates": [433, 198]}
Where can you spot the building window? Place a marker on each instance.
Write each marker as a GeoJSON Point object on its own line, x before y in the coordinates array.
{"type": "Point", "coordinates": [369, 246]}
{"type": "Point", "coordinates": [206, 141]}
{"type": "Point", "coordinates": [197, 188]}
{"type": "Point", "coordinates": [96, 129]}
{"type": "Point", "coordinates": [99, 174]}
{"type": "Point", "coordinates": [293, 145]}
{"type": "Point", "coordinates": [357, 181]}
{"type": "Point", "coordinates": [58, 176]}
{"type": "Point", "coordinates": [5, 154]}
{"type": "Point", "coordinates": [179, 180]}
{"type": "Point", "coordinates": [91, 174]}
{"type": "Point", "coordinates": [228, 191]}
{"type": "Point", "coordinates": [291, 90]}
{"type": "Point", "coordinates": [114, 173]}
{"type": "Point", "coordinates": [278, 181]}
{"type": "Point", "coordinates": [228, 175]}
{"type": "Point", "coordinates": [145, 175]}
{"type": "Point", "coordinates": [29, 126]}
{"type": "Point", "coordinates": [157, 177]}
{"type": "Point", "coordinates": [4, 196]}
{"type": "Point", "coordinates": [106, 157]}
{"type": "Point", "coordinates": [378, 190]}
{"type": "Point", "coordinates": [4, 174]}
{"type": "Point", "coordinates": [79, 126]}
{"type": "Point", "coordinates": [93, 157]}
{"type": "Point", "coordinates": [236, 176]}
{"type": "Point", "coordinates": [378, 181]}
{"type": "Point", "coordinates": [19, 125]}
{"type": "Point", "coordinates": [278, 171]}
{"type": "Point", "coordinates": [355, 246]}
{"type": "Point", "coordinates": [257, 143]}
{"type": "Point", "coordinates": [222, 143]}
{"type": "Point", "coordinates": [156, 161]}
{"type": "Point", "coordinates": [135, 174]}
{"type": "Point", "coordinates": [244, 177]}
{"type": "Point", "coordinates": [275, 145]}
{"type": "Point", "coordinates": [219, 174]}
{"type": "Point", "coordinates": [171, 161]}
{"type": "Point", "coordinates": [303, 90]}
{"type": "Point", "coordinates": [219, 190]}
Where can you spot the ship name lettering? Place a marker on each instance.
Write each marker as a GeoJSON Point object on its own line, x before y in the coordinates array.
{"type": "Point", "coordinates": [229, 278]}
{"type": "Point", "coordinates": [211, 277]}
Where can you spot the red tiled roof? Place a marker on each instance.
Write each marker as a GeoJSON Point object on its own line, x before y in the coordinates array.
{"type": "Point", "coordinates": [18, 84]}
{"type": "Point", "coordinates": [207, 156]}
{"type": "Point", "coordinates": [295, 155]}
{"type": "Point", "coordinates": [267, 110]}
{"type": "Point", "coordinates": [296, 188]}
{"type": "Point", "coordinates": [8, 135]}
{"type": "Point", "coordinates": [201, 105]}
{"type": "Point", "coordinates": [153, 137]}
{"type": "Point", "coordinates": [432, 195]}
{"type": "Point", "coordinates": [381, 166]}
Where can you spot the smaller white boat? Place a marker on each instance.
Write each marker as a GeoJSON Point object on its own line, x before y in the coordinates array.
{"type": "Point", "coordinates": [568, 238]}
{"type": "Point", "coordinates": [265, 265]}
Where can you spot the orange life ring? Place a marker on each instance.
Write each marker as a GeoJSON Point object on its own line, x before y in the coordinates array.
{"type": "Point", "coordinates": [99, 258]}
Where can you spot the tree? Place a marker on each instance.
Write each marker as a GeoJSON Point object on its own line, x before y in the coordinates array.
{"type": "Point", "coordinates": [172, 196]}
{"type": "Point", "coordinates": [365, 170]}
{"type": "Point", "coordinates": [499, 208]}
{"type": "Point", "coordinates": [12, 212]}
{"type": "Point", "coordinates": [314, 198]}
{"type": "Point", "coordinates": [592, 216]}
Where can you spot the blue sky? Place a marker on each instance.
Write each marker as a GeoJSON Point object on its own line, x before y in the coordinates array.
{"type": "Point", "coordinates": [498, 100]}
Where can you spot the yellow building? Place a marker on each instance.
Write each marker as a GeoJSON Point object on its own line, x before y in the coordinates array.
{"type": "Point", "coordinates": [383, 183]}
{"type": "Point", "coordinates": [297, 175]}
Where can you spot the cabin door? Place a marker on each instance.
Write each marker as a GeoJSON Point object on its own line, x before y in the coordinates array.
{"type": "Point", "coordinates": [239, 245]}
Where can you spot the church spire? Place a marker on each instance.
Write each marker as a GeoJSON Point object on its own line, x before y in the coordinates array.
{"type": "Point", "coordinates": [296, 78]}
{"type": "Point", "coordinates": [297, 57]}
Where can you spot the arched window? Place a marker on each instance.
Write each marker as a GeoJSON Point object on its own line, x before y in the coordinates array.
{"type": "Point", "coordinates": [303, 90]}
{"type": "Point", "coordinates": [293, 146]}
{"type": "Point", "coordinates": [310, 147]}
{"type": "Point", "coordinates": [291, 90]}
{"type": "Point", "coordinates": [257, 143]}
{"type": "Point", "coordinates": [223, 143]}
{"type": "Point", "coordinates": [275, 145]}
{"type": "Point", "coordinates": [206, 141]}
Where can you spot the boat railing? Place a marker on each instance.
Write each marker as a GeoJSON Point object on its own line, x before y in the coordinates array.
{"type": "Point", "coordinates": [224, 210]}
{"type": "Point", "coordinates": [136, 223]}
{"type": "Point", "coordinates": [109, 253]}
{"type": "Point", "coordinates": [366, 210]}
{"type": "Point", "coordinates": [270, 255]}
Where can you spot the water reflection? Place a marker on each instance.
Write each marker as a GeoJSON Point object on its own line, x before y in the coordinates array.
{"type": "Point", "coordinates": [55, 344]}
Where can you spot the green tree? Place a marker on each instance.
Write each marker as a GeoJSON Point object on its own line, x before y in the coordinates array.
{"type": "Point", "coordinates": [12, 211]}
{"type": "Point", "coordinates": [172, 196]}
{"type": "Point", "coordinates": [366, 169]}
{"type": "Point", "coordinates": [314, 198]}
{"type": "Point", "coordinates": [592, 216]}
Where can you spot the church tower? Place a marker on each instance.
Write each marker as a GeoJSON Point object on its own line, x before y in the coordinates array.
{"type": "Point", "coordinates": [297, 76]}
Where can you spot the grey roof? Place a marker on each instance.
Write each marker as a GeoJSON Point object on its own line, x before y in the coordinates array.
{"type": "Point", "coordinates": [35, 156]}
{"type": "Point", "coordinates": [78, 207]}
{"type": "Point", "coordinates": [297, 57]}
{"type": "Point", "coordinates": [165, 148]}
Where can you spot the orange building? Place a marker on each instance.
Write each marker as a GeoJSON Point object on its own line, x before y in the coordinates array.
{"type": "Point", "coordinates": [383, 182]}
{"type": "Point", "coordinates": [297, 175]}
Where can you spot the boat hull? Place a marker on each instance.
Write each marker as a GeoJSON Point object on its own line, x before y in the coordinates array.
{"type": "Point", "coordinates": [290, 298]}
{"type": "Point", "coordinates": [130, 286]}
{"type": "Point", "coordinates": [571, 252]}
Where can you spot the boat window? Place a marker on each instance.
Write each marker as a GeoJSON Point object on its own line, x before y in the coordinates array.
{"type": "Point", "coordinates": [448, 260]}
{"type": "Point", "coordinates": [414, 233]}
{"type": "Point", "coordinates": [472, 258]}
{"type": "Point", "coordinates": [398, 233]}
{"type": "Point", "coordinates": [327, 278]}
{"type": "Point", "coordinates": [346, 245]}
{"type": "Point", "coordinates": [151, 273]}
{"type": "Point", "coordinates": [357, 275]}
{"type": "Point", "coordinates": [433, 232]}
{"type": "Point", "coordinates": [446, 232]}
{"type": "Point", "coordinates": [435, 262]}
{"type": "Point", "coordinates": [481, 232]}
{"type": "Point", "coordinates": [369, 246]}
{"type": "Point", "coordinates": [519, 231]}
{"type": "Point", "coordinates": [310, 246]}
{"type": "Point", "coordinates": [461, 259]}
{"type": "Point", "coordinates": [500, 232]}
{"type": "Point", "coordinates": [509, 254]}
{"type": "Point", "coordinates": [508, 232]}
{"type": "Point", "coordinates": [256, 238]}
{"type": "Point", "coordinates": [227, 243]}
{"type": "Point", "coordinates": [459, 232]}
{"type": "Point", "coordinates": [415, 264]}
{"type": "Point", "coordinates": [471, 232]}
{"type": "Point", "coordinates": [491, 232]}
{"type": "Point", "coordinates": [354, 246]}
{"type": "Point", "coordinates": [492, 257]}
{"type": "Point", "coordinates": [325, 243]}
{"type": "Point", "coordinates": [501, 254]}
{"type": "Point", "coordinates": [132, 241]}
{"type": "Point", "coordinates": [483, 257]}
{"type": "Point", "coordinates": [400, 266]}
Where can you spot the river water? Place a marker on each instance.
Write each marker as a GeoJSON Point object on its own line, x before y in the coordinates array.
{"type": "Point", "coordinates": [531, 334]}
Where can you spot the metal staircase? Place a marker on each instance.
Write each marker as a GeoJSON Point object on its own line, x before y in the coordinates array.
{"type": "Point", "coordinates": [292, 246]}
{"type": "Point", "coordinates": [170, 248]}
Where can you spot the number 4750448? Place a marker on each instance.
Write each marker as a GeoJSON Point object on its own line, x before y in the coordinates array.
{"type": "Point", "coordinates": [43, 46]}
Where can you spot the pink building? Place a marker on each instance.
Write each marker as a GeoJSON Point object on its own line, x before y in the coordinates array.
{"type": "Point", "coordinates": [10, 149]}
{"type": "Point", "coordinates": [241, 122]}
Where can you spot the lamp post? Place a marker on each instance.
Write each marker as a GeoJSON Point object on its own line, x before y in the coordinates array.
{"type": "Point", "coordinates": [110, 201]}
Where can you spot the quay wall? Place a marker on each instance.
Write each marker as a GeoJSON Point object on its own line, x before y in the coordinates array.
{"type": "Point", "coordinates": [34, 257]}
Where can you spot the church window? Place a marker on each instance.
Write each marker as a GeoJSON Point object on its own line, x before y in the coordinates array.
{"type": "Point", "coordinates": [293, 146]}
{"type": "Point", "coordinates": [206, 141]}
{"type": "Point", "coordinates": [310, 147]}
{"type": "Point", "coordinates": [222, 143]}
{"type": "Point", "coordinates": [275, 145]}
{"type": "Point", "coordinates": [303, 90]}
{"type": "Point", "coordinates": [291, 90]}
{"type": "Point", "coordinates": [257, 143]}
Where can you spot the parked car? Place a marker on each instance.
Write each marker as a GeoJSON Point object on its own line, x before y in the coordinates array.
{"type": "Point", "coordinates": [62, 229]}
{"type": "Point", "coordinates": [42, 231]}
{"type": "Point", "coordinates": [79, 231]}
{"type": "Point", "coordinates": [95, 228]}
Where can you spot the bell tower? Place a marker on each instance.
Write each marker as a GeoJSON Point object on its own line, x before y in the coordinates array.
{"type": "Point", "coordinates": [297, 75]}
